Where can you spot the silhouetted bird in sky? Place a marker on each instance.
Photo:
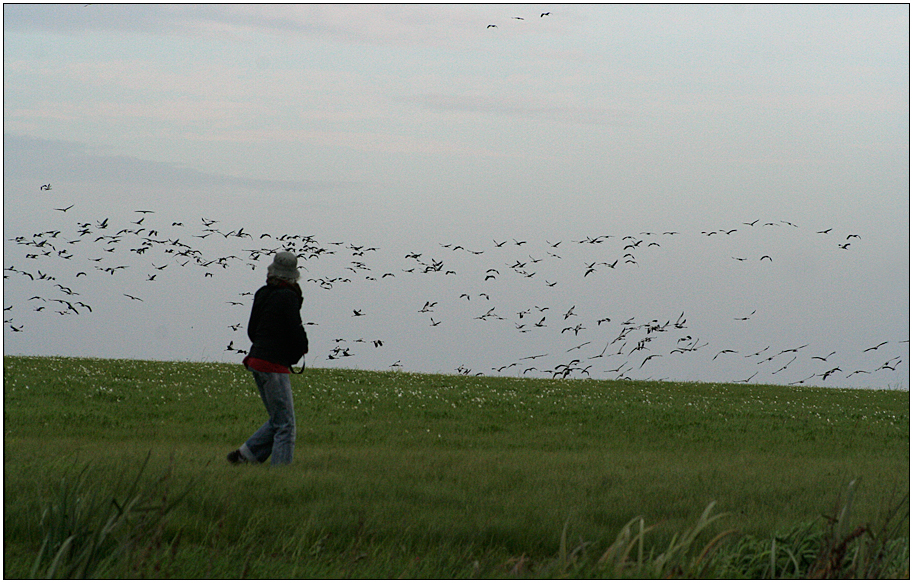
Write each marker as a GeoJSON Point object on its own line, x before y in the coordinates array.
{"type": "Point", "coordinates": [876, 347]}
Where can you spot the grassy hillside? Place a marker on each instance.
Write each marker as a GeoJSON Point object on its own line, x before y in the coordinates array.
{"type": "Point", "coordinates": [399, 474]}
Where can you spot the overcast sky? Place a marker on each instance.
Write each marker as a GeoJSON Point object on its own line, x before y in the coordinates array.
{"type": "Point", "coordinates": [414, 148]}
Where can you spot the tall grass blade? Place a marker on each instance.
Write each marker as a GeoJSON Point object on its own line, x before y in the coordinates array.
{"type": "Point", "coordinates": [562, 548]}
{"type": "Point", "coordinates": [58, 558]}
{"type": "Point", "coordinates": [33, 574]}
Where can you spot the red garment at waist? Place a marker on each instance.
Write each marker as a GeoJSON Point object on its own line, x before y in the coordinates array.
{"type": "Point", "coordinates": [260, 365]}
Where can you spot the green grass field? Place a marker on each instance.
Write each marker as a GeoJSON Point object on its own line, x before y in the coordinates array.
{"type": "Point", "coordinates": [433, 476]}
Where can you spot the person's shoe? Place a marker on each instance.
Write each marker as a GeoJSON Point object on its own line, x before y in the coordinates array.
{"type": "Point", "coordinates": [235, 458]}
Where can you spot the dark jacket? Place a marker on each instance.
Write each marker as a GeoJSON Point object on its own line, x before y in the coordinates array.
{"type": "Point", "coordinates": [275, 326]}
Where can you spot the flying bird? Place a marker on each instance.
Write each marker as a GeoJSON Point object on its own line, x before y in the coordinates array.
{"type": "Point", "coordinates": [784, 366]}
{"type": "Point", "coordinates": [648, 358]}
{"type": "Point", "coordinates": [797, 349]}
{"type": "Point", "coordinates": [888, 366]}
{"type": "Point", "coordinates": [803, 380]}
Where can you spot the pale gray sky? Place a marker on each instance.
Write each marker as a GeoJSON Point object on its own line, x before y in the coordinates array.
{"type": "Point", "coordinates": [410, 127]}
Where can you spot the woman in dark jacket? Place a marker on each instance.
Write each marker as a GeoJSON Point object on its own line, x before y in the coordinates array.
{"type": "Point", "coordinates": [279, 341]}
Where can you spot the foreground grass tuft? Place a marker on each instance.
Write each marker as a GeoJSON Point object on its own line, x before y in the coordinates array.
{"type": "Point", "coordinates": [91, 533]}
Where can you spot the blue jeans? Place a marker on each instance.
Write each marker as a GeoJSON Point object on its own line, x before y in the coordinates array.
{"type": "Point", "coordinates": [276, 437]}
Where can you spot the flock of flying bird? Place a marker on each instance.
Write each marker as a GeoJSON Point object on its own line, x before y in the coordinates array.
{"type": "Point", "coordinates": [541, 15]}
{"type": "Point", "coordinates": [584, 343]}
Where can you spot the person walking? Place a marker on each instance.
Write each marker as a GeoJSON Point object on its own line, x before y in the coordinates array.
{"type": "Point", "coordinates": [279, 341]}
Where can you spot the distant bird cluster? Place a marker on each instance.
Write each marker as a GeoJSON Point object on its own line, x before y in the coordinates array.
{"type": "Point", "coordinates": [565, 336]}
{"type": "Point", "coordinates": [541, 15]}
